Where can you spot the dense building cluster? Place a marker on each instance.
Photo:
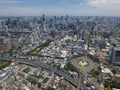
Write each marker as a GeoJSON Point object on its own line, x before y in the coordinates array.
{"type": "Point", "coordinates": [59, 47]}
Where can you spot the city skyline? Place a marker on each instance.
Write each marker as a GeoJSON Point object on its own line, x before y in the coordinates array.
{"type": "Point", "coordinates": [61, 7]}
{"type": "Point", "coordinates": [42, 52]}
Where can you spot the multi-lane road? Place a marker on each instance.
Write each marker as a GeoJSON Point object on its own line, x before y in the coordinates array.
{"type": "Point", "coordinates": [58, 72]}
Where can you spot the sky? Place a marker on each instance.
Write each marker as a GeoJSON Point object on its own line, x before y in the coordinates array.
{"type": "Point", "coordinates": [60, 7]}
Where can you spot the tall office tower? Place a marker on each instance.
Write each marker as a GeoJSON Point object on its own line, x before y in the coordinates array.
{"type": "Point", "coordinates": [8, 44]}
{"type": "Point", "coordinates": [92, 30]}
{"type": "Point", "coordinates": [44, 24]}
{"type": "Point", "coordinates": [0, 24]}
{"type": "Point", "coordinates": [86, 38]}
{"type": "Point", "coordinates": [98, 40]}
{"type": "Point", "coordinates": [75, 38]}
{"type": "Point", "coordinates": [115, 55]}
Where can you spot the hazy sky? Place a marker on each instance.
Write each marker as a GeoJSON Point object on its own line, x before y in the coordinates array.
{"type": "Point", "coordinates": [60, 7]}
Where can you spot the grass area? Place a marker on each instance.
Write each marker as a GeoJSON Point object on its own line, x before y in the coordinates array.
{"type": "Point", "coordinates": [95, 73]}
{"type": "Point", "coordinates": [94, 58]}
{"type": "Point", "coordinates": [2, 62]}
{"type": "Point", "coordinates": [15, 78]}
{"type": "Point", "coordinates": [50, 88]}
{"type": "Point", "coordinates": [112, 84]}
{"type": "Point", "coordinates": [38, 49]}
{"type": "Point", "coordinates": [10, 52]}
{"type": "Point", "coordinates": [57, 66]}
{"type": "Point", "coordinates": [26, 70]}
{"type": "Point", "coordinates": [40, 76]}
{"type": "Point", "coordinates": [34, 82]}
{"type": "Point", "coordinates": [4, 65]}
{"type": "Point", "coordinates": [31, 81]}
{"type": "Point", "coordinates": [69, 67]}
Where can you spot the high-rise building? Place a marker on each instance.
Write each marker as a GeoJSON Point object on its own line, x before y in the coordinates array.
{"type": "Point", "coordinates": [5, 44]}
{"type": "Point", "coordinates": [75, 38]}
{"type": "Point", "coordinates": [44, 23]}
{"type": "Point", "coordinates": [115, 55]}
{"type": "Point", "coordinates": [1, 24]}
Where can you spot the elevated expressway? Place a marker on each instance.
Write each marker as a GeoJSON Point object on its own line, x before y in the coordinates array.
{"type": "Point", "coordinates": [38, 64]}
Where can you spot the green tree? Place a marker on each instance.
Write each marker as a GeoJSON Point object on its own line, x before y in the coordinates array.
{"type": "Point", "coordinates": [50, 88]}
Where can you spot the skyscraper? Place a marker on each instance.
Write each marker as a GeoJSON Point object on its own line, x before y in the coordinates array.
{"type": "Point", "coordinates": [44, 23]}
{"type": "Point", "coordinates": [115, 55]}
{"type": "Point", "coordinates": [1, 24]}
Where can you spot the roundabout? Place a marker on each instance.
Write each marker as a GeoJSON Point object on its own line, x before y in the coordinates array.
{"type": "Point", "coordinates": [84, 64]}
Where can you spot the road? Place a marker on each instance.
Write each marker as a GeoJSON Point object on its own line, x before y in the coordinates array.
{"type": "Point", "coordinates": [37, 64]}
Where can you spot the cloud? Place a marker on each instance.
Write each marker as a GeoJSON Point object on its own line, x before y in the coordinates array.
{"type": "Point", "coordinates": [60, 7]}
{"type": "Point", "coordinates": [103, 3]}
{"type": "Point", "coordinates": [33, 11]}
{"type": "Point", "coordinates": [10, 1]}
